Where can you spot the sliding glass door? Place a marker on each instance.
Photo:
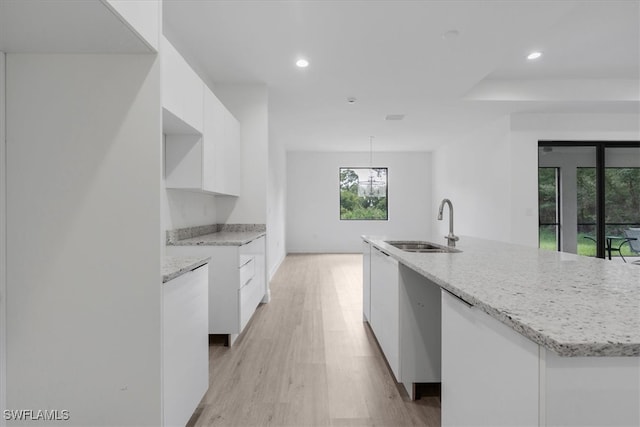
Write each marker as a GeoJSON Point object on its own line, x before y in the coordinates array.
{"type": "Point", "coordinates": [597, 188]}
{"type": "Point", "coordinates": [622, 197]}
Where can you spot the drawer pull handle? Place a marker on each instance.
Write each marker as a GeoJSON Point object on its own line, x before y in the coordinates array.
{"type": "Point", "coordinates": [381, 251]}
{"type": "Point", "coordinates": [247, 262]}
{"type": "Point", "coordinates": [458, 298]}
{"type": "Point", "coordinates": [199, 267]}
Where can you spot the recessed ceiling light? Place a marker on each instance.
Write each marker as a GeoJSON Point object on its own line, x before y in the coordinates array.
{"type": "Point", "coordinates": [302, 63]}
{"type": "Point", "coordinates": [351, 100]}
{"type": "Point", "coordinates": [534, 55]}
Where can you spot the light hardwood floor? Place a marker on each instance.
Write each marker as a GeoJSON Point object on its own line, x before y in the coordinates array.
{"type": "Point", "coordinates": [307, 358]}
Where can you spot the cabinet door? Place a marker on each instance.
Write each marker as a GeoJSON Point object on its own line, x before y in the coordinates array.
{"type": "Point", "coordinates": [213, 138]}
{"type": "Point", "coordinates": [182, 88]}
{"type": "Point", "coordinates": [489, 371]}
{"type": "Point", "coordinates": [593, 391]}
{"type": "Point", "coordinates": [185, 345]}
{"type": "Point", "coordinates": [366, 280]}
{"type": "Point", "coordinates": [385, 319]}
{"type": "Point", "coordinates": [229, 173]}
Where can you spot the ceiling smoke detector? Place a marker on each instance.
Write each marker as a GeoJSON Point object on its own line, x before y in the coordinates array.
{"type": "Point", "coordinates": [394, 117]}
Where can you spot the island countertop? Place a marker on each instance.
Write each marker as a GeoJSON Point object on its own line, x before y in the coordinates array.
{"type": "Point", "coordinates": [572, 305]}
{"type": "Point", "coordinates": [176, 266]}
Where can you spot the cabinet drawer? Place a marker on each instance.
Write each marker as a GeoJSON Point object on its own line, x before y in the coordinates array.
{"type": "Point", "coordinates": [247, 269]}
{"type": "Point", "coordinates": [252, 248]}
{"type": "Point", "coordinates": [250, 297]}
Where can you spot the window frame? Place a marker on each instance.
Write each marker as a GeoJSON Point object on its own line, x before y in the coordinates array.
{"type": "Point", "coordinates": [600, 147]}
{"type": "Point", "coordinates": [386, 168]}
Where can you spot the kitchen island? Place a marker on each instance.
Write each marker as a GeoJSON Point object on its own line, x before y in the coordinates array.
{"type": "Point", "coordinates": [528, 337]}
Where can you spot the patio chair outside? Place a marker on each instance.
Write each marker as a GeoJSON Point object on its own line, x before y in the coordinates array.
{"type": "Point", "coordinates": [633, 233]}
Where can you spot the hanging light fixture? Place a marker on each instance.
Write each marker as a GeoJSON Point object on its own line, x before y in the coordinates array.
{"type": "Point", "coordinates": [376, 184]}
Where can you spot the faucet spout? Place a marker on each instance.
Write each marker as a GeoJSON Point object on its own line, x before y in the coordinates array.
{"type": "Point", "coordinates": [451, 238]}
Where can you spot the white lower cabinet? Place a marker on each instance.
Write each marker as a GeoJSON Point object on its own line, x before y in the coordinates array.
{"type": "Point", "coordinates": [237, 283]}
{"type": "Point", "coordinates": [589, 391]}
{"type": "Point", "coordinates": [403, 309]}
{"type": "Point", "coordinates": [185, 345]}
{"type": "Point", "coordinates": [385, 309]}
{"type": "Point", "coordinates": [366, 281]}
{"type": "Point", "coordinates": [489, 371]}
{"type": "Point", "coordinates": [493, 376]}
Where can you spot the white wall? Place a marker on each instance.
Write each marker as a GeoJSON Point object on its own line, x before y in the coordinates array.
{"type": "Point", "coordinates": [276, 207]}
{"type": "Point", "coordinates": [528, 129]}
{"type": "Point", "coordinates": [181, 209]}
{"type": "Point", "coordinates": [313, 200]}
{"type": "Point", "coordinates": [83, 246]}
{"type": "Point", "coordinates": [475, 174]}
{"type": "Point", "coordinates": [492, 174]}
{"type": "Point", "coordinates": [248, 104]}
{"type": "Point", "coordinates": [187, 209]}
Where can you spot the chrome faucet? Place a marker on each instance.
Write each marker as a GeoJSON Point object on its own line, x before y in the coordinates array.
{"type": "Point", "coordinates": [451, 238]}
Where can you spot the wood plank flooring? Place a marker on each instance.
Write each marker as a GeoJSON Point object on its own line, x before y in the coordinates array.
{"type": "Point", "coordinates": [308, 359]}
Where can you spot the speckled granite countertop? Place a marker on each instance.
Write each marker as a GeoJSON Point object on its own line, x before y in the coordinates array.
{"type": "Point", "coordinates": [175, 266]}
{"type": "Point", "coordinates": [215, 235]}
{"type": "Point", "coordinates": [220, 238]}
{"type": "Point", "coordinates": [572, 305]}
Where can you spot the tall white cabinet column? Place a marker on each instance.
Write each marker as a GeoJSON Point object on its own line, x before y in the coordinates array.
{"type": "Point", "coordinates": [3, 240]}
{"type": "Point", "coordinates": [83, 248]}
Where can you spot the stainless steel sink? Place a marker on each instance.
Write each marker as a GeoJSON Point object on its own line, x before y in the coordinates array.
{"type": "Point", "coordinates": [420, 246]}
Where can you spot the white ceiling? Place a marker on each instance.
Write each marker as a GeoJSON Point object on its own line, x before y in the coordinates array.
{"type": "Point", "coordinates": [391, 56]}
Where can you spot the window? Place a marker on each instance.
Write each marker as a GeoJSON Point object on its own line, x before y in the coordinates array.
{"type": "Point", "coordinates": [363, 194]}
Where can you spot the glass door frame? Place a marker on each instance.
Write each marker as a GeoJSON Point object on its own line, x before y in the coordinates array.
{"type": "Point", "coordinates": [600, 147]}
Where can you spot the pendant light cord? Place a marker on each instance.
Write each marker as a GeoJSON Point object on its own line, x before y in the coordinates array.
{"type": "Point", "coordinates": [371, 152]}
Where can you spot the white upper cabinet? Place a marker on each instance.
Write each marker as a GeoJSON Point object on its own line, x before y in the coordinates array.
{"type": "Point", "coordinates": [182, 88]}
{"type": "Point", "coordinates": [213, 139]}
{"type": "Point", "coordinates": [228, 164]}
{"type": "Point", "coordinates": [220, 148]}
{"type": "Point", "coordinates": [202, 138]}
